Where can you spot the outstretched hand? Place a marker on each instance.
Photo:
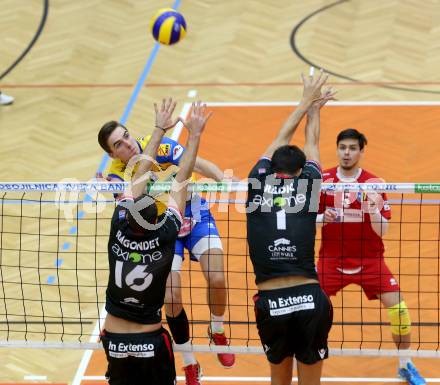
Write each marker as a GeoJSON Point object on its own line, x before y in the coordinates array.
{"type": "Point", "coordinates": [164, 114]}
{"type": "Point", "coordinates": [197, 119]}
{"type": "Point", "coordinates": [326, 95]}
{"type": "Point", "coordinates": [312, 86]}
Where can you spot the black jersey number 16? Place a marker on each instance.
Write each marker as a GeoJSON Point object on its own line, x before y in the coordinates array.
{"type": "Point", "coordinates": [137, 279]}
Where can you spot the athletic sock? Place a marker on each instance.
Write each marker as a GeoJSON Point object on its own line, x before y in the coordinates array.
{"type": "Point", "coordinates": [187, 357]}
{"type": "Point", "coordinates": [217, 324]}
{"type": "Point", "coordinates": [404, 361]}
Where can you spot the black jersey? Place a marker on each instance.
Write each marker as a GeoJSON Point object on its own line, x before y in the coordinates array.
{"type": "Point", "coordinates": [139, 267]}
{"type": "Point", "coordinates": [281, 220]}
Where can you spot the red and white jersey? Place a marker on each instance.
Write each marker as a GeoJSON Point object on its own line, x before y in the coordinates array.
{"type": "Point", "coordinates": [350, 242]}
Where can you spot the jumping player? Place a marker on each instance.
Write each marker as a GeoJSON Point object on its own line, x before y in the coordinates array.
{"type": "Point", "coordinates": [140, 251]}
{"type": "Point", "coordinates": [198, 234]}
{"type": "Point", "coordinates": [293, 314]}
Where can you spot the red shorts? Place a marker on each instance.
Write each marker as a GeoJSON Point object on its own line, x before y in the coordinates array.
{"type": "Point", "coordinates": [374, 278]}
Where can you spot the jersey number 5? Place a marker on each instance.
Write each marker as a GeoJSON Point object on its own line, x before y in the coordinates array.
{"type": "Point", "coordinates": [137, 274]}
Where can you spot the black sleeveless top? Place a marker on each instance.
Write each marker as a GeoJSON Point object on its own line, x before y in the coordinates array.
{"type": "Point", "coordinates": [139, 266]}
{"type": "Point", "coordinates": [281, 221]}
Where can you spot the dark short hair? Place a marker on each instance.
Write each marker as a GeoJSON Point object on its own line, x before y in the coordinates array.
{"type": "Point", "coordinates": [352, 133]}
{"type": "Point", "coordinates": [104, 133]}
{"type": "Point", "coordinates": [147, 210]}
{"type": "Point", "coordinates": [288, 159]}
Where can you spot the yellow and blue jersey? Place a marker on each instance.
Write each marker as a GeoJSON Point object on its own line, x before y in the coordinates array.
{"type": "Point", "coordinates": [169, 153]}
{"type": "Point", "coordinates": [168, 157]}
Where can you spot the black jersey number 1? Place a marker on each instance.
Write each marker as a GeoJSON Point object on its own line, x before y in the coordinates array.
{"type": "Point", "coordinates": [281, 220]}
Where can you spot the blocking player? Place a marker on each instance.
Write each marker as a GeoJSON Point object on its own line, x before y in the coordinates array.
{"type": "Point", "coordinates": [352, 250]}
{"type": "Point", "coordinates": [137, 347]}
{"type": "Point", "coordinates": [199, 235]}
{"type": "Point", "coordinates": [293, 314]}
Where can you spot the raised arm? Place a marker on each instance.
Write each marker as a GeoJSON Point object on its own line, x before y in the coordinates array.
{"type": "Point", "coordinates": [195, 125]}
{"type": "Point", "coordinates": [311, 92]}
{"type": "Point", "coordinates": [312, 130]}
{"type": "Point", "coordinates": [208, 169]}
{"type": "Point", "coordinates": [145, 160]}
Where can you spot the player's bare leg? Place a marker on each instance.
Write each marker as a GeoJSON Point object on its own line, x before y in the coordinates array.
{"type": "Point", "coordinates": [309, 374]}
{"type": "Point", "coordinates": [281, 374]}
{"type": "Point", "coordinates": [212, 266]}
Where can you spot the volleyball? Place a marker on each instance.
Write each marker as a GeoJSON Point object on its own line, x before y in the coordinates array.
{"type": "Point", "coordinates": [168, 26]}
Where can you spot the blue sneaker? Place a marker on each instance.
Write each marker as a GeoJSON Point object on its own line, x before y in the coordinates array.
{"type": "Point", "coordinates": [411, 375]}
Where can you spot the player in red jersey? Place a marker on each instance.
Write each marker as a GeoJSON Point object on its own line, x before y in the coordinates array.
{"type": "Point", "coordinates": [352, 251]}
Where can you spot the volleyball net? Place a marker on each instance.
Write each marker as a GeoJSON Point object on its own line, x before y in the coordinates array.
{"type": "Point", "coordinates": [54, 269]}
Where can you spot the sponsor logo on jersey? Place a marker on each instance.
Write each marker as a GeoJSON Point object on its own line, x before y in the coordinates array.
{"type": "Point", "coordinates": [135, 257]}
{"type": "Point", "coordinates": [261, 170]}
{"type": "Point", "coordinates": [131, 300]}
{"type": "Point", "coordinates": [292, 195]}
{"type": "Point", "coordinates": [269, 202]}
{"type": "Point", "coordinates": [121, 214]}
{"type": "Point", "coordinates": [281, 241]}
{"type": "Point", "coordinates": [290, 304]}
{"type": "Point", "coordinates": [178, 150]}
{"type": "Point", "coordinates": [322, 353]}
{"type": "Point", "coordinates": [164, 149]}
{"type": "Point", "coordinates": [393, 282]}
{"type": "Point", "coordinates": [282, 249]}
{"type": "Point", "coordinates": [146, 258]}
{"type": "Point", "coordinates": [280, 201]}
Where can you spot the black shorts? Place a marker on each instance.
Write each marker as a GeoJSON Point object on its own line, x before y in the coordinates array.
{"type": "Point", "coordinates": [294, 321]}
{"type": "Point", "coordinates": [139, 358]}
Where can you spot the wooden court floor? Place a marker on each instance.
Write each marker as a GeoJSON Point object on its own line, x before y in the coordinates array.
{"type": "Point", "coordinates": [84, 67]}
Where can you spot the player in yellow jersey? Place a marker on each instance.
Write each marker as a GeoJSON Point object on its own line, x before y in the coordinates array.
{"type": "Point", "coordinates": [199, 235]}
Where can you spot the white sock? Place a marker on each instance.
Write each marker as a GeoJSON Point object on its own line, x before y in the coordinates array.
{"type": "Point", "coordinates": [188, 357]}
{"type": "Point", "coordinates": [404, 361]}
{"type": "Point", "coordinates": [217, 324]}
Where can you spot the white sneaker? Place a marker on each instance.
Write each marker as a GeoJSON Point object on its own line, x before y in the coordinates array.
{"type": "Point", "coordinates": [5, 99]}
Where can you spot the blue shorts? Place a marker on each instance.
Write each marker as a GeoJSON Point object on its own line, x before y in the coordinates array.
{"type": "Point", "coordinates": [203, 233]}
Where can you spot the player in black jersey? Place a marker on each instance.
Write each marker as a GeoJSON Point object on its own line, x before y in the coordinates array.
{"type": "Point", "coordinates": [140, 251]}
{"type": "Point", "coordinates": [293, 314]}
